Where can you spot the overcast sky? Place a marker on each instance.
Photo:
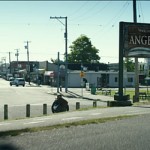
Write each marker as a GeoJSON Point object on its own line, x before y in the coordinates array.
{"type": "Point", "coordinates": [22, 21]}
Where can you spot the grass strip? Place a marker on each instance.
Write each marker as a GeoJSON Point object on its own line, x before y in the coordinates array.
{"type": "Point", "coordinates": [64, 125]}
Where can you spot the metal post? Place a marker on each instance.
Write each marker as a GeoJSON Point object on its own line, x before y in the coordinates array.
{"type": "Point", "coordinates": [66, 54]}
{"type": "Point", "coordinates": [94, 104]}
{"type": "Point", "coordinates": [44, 109]}
{"type": "Point", "coordinates": [136, 58]}
{"type": "Point", "coordinates": [120, 62]}
{"type": "Point", "coordinates": [58, 71]}
{"type": "Point", "coordinates": [5, 112]}
{"type": "Point", "coordinates": [77, 105]}
{"type": "Point", "coordinates": [28, 110]}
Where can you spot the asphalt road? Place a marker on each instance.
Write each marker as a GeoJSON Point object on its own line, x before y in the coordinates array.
{"type": "Point", "coordinates": [126, 134]}
{"type": "Point", "coordinates": [18, 97]}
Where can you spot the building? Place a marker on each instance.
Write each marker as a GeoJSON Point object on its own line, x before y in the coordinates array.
{"type": "Point", "coordinates": [99, 79]}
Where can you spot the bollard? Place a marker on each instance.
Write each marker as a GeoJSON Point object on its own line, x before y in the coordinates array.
{"type": "Point", "coordinates": [60, 88]}
{"type": "Point", "coordinates": [5, 112]}
{"type": "Point", "coordinates": [94, 104]}
{"type": "Point", "coordinates": [28, 110]}
{"type": "Point", "coordinates": [44, 109]}
{"type": "Point", "coordinates": [77, 105]}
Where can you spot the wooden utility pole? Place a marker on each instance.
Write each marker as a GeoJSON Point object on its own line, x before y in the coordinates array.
{"type": "Point", "coordinates": [28, 68]}
{"type": "Point", "coordinates": [66, 50]}
{"type": "Point", "coordinates": [17, 54]}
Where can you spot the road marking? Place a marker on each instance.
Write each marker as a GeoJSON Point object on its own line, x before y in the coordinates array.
{"type": "Point", "coordinates": [3, 124]}
{"type": "Point", "coordinates": [41, 119]}
{"type": "Point", "coordinates": [133, 111]}
{"type": "Point", "coordinates": [72, 118]}
{"type": "Point", "coordinates": [34, 122]}
{"type": "Point", "coordinates": [95, 114]}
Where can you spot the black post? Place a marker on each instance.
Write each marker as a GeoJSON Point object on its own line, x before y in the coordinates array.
{"type": "Point", "coordinates": [121, 61]}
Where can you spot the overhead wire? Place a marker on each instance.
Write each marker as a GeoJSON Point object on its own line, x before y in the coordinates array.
{"type": "Point", "coordinates": [87, 17]}
{"type": "Point", "coordinates": [84, 15]}
{"type": "Point", "coordinates": [73, 14]}
{"type": "Point", "coordinates": [140, 11]}
{"type": "Point", "coordinates": [116, 17]}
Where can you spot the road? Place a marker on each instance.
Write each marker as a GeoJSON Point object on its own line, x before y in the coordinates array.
{"type": "Point", "coordinates": [131, 133]}
{"type": "Point", "coordinates": [18, 97]}
{"type": "Point", "coordinates": [126, 134]}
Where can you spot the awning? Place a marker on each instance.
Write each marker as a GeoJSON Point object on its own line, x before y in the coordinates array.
{"type": "Point", "coordinates": [41, 71]}
{"type": "Point", "coordinates": [23, 71]}
{"type": "Point", "coordinates": [49, 73]}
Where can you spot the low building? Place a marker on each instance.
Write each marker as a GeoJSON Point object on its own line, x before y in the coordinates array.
{"type": "Point", "coordinates": [99, 79]}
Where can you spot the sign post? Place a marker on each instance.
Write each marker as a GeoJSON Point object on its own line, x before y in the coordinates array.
{"type": "Point", "coordinates": [134, 41]}
{"type": "Point", "coordinates": [82, 74]}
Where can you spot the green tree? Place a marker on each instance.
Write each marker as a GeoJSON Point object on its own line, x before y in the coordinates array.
{"type": "Point", "coordinates": [82, 50]}
{"type": "Point", "coordinates": [129, 64]}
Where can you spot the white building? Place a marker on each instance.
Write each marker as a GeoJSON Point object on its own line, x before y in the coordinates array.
{"type": "Point", "coordinates": [100, 79]}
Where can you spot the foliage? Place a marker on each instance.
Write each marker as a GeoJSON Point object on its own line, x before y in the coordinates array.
{"type": "Point", "coordinates": [83, 51]}
{"type": "Point", "coordinates": [129, 64]}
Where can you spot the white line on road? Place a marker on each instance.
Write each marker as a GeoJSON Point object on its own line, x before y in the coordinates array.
{"type": "Point", "coordinates": [72, 118]}
{"type": "Point", "coordinates": [41, 119]}
{"type": "Point", "coordinates": [133, 111]}
{"type": "Point", "coordinates": [95, 114]}
{"type": "Point", "coordinates": [34, 122]}
{"type": "Point", "coordinates": [4, 124]}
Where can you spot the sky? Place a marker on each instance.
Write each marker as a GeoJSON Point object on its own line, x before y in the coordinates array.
{"type": "Point", "coordinates": [22, 21]}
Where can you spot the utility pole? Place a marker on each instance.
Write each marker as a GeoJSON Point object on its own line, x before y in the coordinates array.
{"type": "Point", "coordinates": [17, 54]}
{"type": "Point", "coordinates": [9, 63]}
{"type": "Point", "coordinates": [136, 58]}
{"type": "Point", "coordinates": [4, 64]}
{"type": "Point", "coordinates": [66, 51]}
{"type": "Point", "coordinates": [28, 68]}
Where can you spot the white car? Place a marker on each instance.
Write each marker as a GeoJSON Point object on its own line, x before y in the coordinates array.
{"type": "Point", "coordinates": [17, 82]}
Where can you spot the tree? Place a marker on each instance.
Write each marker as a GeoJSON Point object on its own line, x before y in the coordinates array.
{"type": "Point", "coordinates": [83, 51]}
{"type": "Point", "coordinates": [129, 64]}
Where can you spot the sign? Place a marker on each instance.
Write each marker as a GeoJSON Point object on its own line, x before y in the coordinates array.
{"type": "Point", "coordinates": [82, 74]}
{"type": "Point", "coordinates": [136, 40]}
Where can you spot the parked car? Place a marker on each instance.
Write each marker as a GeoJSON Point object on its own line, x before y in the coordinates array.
{"type": "Point", "coordinates": [11, 78]}
{"type": "Point", "coordinates": [17, 82]}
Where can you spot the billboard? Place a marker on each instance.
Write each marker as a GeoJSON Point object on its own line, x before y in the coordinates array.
{"type": "Point", "coordinates": [136, 39]}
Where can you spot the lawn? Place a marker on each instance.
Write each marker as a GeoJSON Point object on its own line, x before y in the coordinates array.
{"type": "Point", "coordinates": [130, 92]}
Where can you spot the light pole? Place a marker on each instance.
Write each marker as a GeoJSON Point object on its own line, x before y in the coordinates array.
{"type": "Point", "coordinates": [66, 51]}
{"type": "Point", "coordinates": [17, 54]}
{"type": "Point", "coordinates": [28, 70]}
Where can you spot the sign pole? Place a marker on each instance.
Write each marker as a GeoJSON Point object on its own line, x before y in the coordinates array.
{"type": "Point", "coordinates": [121, 61]}
{"type": "Point", "coordinates": [136, 58]}
{"type": "Point", "coordinates": [58, 74]}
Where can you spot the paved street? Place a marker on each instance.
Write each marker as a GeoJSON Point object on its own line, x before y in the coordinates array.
{"type": "Point", "coordinates": [18, 97]}
{"type": "Point", "coordinates": [126, 134]}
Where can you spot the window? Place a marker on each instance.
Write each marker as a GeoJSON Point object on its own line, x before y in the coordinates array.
{"type": "Point", "coordinates": [116, 79]}
{"type": "Point", "coordinates": [130, 79]}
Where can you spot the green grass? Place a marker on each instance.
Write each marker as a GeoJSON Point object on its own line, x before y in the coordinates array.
{"type": "Point", "coordinates": [128, 92]}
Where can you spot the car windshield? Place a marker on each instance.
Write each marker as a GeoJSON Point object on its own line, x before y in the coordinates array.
{"type": "Point", "coordinates": [21, 79]}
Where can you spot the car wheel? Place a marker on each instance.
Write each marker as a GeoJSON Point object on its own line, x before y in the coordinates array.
{"type": "Point", "coordinates": [23, 85]}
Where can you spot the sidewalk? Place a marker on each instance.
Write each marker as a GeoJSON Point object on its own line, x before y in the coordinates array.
{"type": "Point", "coordinates": [80, 93]}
